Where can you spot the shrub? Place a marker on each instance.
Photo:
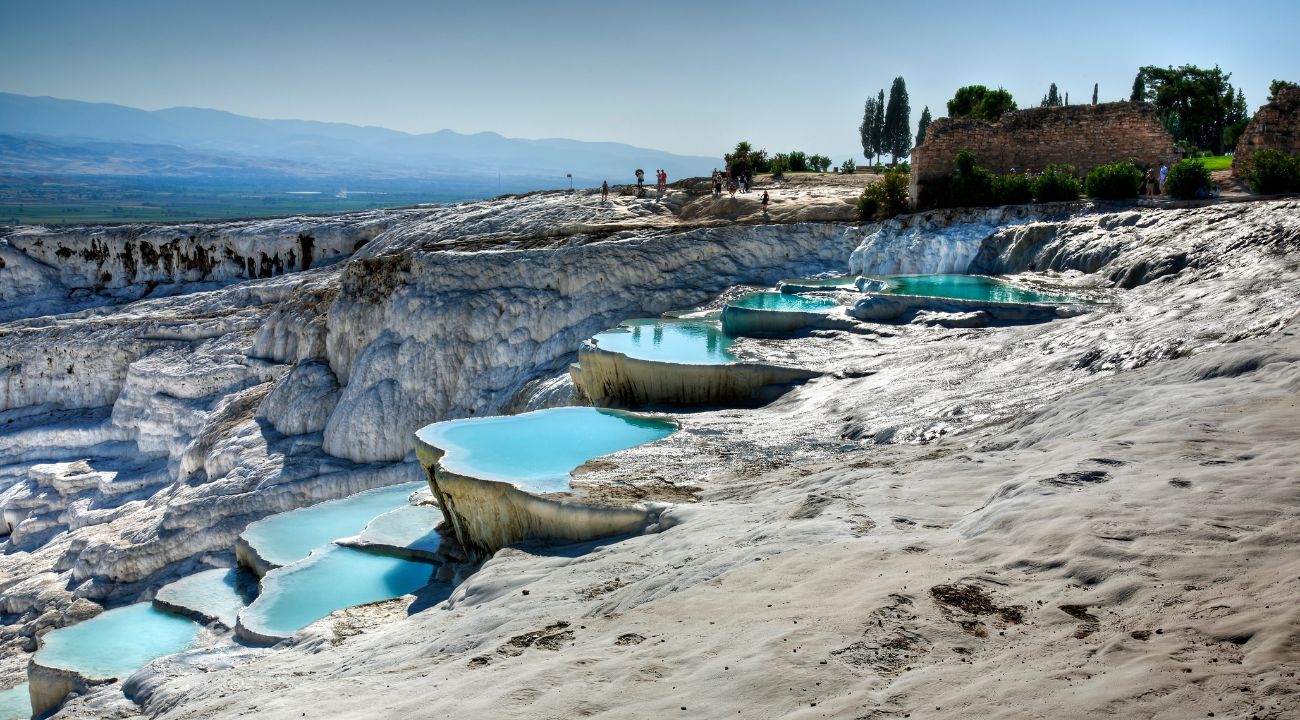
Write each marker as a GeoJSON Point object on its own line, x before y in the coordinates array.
{"type": "Point", "coordinates": [849, 166]}
{"type": "Point", "coordinates": [1269, 172]}
{"type": "Point", "coordinates": [886, 198]}
{"type": "Point", "coordinates": [1115, 181]}
{"type": "Point", "coordinates": [1013, 189]}
{"type": "Point", "coordinates": [1188, 179]}
{"type": "Point", "coordinates": [1057, 183]}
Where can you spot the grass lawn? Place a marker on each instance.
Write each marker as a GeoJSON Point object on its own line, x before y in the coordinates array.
{"type": "Point", "coordinates": [1217, 162]}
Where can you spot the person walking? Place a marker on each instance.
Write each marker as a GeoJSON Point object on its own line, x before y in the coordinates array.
{"type": "Point", "coordinates": [764, 201]}
{"type": "Point", "coordinates": [604, 191]}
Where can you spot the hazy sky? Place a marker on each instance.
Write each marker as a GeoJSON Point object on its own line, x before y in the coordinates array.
{"type": "Point", "coordinates": [688, 77]}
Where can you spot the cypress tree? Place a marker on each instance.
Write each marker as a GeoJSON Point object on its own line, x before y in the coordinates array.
{"type": "Point", "coordinates": [1052, 98]}
{"type": "Point", "coordinates": [878, 125]}
{"type": "Point", "coordinates": [922, 126]}
{"type": "Point", "coordinates": [898, 121]}
{"type": "Point", "coordinates": [1094, 93]}
{"type": "Point", "coordinates": [1139, 89]}
{"type": "Point", "coordinates": [865, 129]}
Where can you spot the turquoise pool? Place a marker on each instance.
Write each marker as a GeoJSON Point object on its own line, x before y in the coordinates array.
{"type": "Point", "coordinates": [118, 642]}
{"type": "Point", "coordinates": [536, 451]}
{"type": "Point", "coordinates": [290, 536]}
{"type": "Point", "coordinates": [216, 593]}
{"type": "Point", "coordinates": [695, 342]}
{"type": "Point", "coordinates": [15, 703]}
{"type": "Point", "coordinates": [967, 287]}
{"type": "Point", "coordinates": [331, 579]}
{"type": "Point", "coordinates": [784, 302]}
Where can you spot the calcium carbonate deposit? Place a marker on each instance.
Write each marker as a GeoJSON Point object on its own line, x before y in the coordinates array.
{"type": "Point", "coordinates": [1089, 514]}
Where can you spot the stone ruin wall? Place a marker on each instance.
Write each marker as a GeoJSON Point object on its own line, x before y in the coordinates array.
{"type": "Point", "coordinates": [1276, 126]}
{"type": "Point", "coordinates": [1084, 136]}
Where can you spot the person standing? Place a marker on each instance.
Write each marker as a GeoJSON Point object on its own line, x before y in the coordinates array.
{"type": "Point", "coordinates": [764, 201]}
{"type": "Point", "coordinates": [604, 191]}
{"type": "Point", "coordinates": [1164, 175]}
{"type": "Point", "coordinates": [1150, 182]}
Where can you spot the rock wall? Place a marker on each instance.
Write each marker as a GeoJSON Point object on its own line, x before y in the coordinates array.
{"type": "Point", "coordinates": [66, 268]}
{"type": "Point", "coordinates": [1275, 126]}
{"type": "Point", "coordinates": [1080, 135]}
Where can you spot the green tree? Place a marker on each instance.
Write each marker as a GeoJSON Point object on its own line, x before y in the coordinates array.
{"type": "Point", "coordinates": [897, 132]}
{"type": "Point", "coordinates": [1139, 93]}
{"type": "Point", "coordinates": [1195, 104]}
{"type": "Point", "coordinates": [1052, 98]}
{"type": "Point", "coordinates": [797, 161]}
{"type": "Point", "coordinates": [980, 102]}
{"type": "Point", "coordinates": [922, 126]}
{"type": "Point", "coordinates": [868, 122]}
{"type": "Point", "coordinates": [1275, 86]}
{"type": "Point", "coordinates": [878, 125]}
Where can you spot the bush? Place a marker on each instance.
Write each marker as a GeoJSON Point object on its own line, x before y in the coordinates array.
{"type": "Point", "coordinates": [1013, 189]}
{"type": "Point", "coordinates": [1269, 172]}
{"type": "Point", "coordinates": [1115, 181]}
{"type": "Point", "coordinates": [886, 198]}
{"type": "Point", "coordinates": [1187, 180]}
{"type": "Point", "coordinates": [849, 166]}
{"type": "Point", "coordinates": [1057, 183]}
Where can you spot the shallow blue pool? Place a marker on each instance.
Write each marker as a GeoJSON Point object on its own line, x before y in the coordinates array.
{"type": "Point", "coordinates": [784, 302]}
{"type": "Point", "coordinates": [118, 642]}
{"type": "Point", "coordinates": [967, 287]}
{"type": "Point", "coordinates": [215, 593]}
{"type": "Point", "coordinates": [537, 450]}
{"type": "Point", "coordinates": [409, 526]}
{"type": "Point", "coordinates": [15, 703]}
{"type": "Point", "coordinates": [290, 536]}
{"type": "Point", "coordinates": [331, 579]}
{"type": "Point", "coordinates": [694, 341]}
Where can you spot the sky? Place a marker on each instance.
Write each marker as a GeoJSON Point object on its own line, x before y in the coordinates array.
{"type": "Point", "coordinates": [687, 77]}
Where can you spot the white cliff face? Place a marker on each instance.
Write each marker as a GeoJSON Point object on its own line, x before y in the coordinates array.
{"type": "Point", "coordinates": [45, 270]}
{"type": "Point", "coordinates": [490, 323]}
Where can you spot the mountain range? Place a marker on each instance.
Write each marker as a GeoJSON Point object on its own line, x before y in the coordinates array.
{"type": "Point", "coordinates": [44, 135]}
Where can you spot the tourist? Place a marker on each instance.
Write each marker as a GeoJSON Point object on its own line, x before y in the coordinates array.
{"type": "Point", "coordinates": [731, 187]}
{"type": "Point", "coordinates": [1164, 174]}
{"type": "Point", "coordinates": [604, 191]}
{"type": "Point", "coordinates": [640, 179]}
{"type": "Point", "coordinates": [764, 201]}
{"type": "Point", "coordinates": [717, 185]}
{"type": "Point", "coordinates": [1150, 180]}
{"type": "Point", "coordinates": [742, 185]}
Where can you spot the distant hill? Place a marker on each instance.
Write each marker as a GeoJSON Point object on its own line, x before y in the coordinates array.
{"type": "Point", "coordinates": [68, 137]}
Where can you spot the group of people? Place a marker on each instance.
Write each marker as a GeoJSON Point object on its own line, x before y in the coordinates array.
{"type": "Point", "coordinates": [661, 183]}
{"type": "Point", "coordinates": [1155, 183]}
{"type": "Point", "coordinates": [741, 184]}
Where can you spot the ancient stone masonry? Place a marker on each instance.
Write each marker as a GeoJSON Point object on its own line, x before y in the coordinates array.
{"type": "Point", "coordinates": [1084, 136]}
{"type": "Point", "coordinates": [1275, 126]}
